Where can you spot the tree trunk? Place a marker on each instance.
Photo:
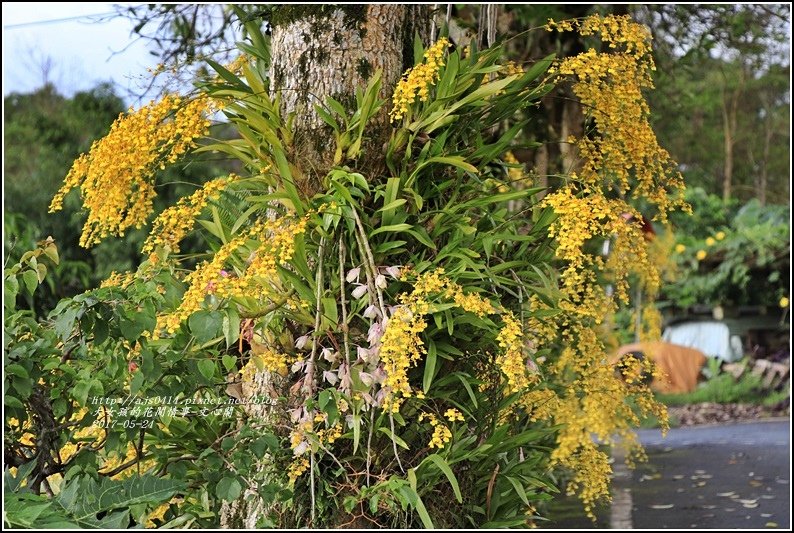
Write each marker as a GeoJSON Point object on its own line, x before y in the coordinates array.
{"type": "Point", "coordinates": [730, 108]}
{"type": "Point", "coordinates": [326, 50]}
{"type": "Point", "coordinates": [320, 51]}
{"type": "Point", "coordinates": [572, 125]}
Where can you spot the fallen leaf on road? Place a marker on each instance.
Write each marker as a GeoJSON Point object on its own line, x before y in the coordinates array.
{"type": "Point", "coordinates": [678, 476]}
{"type": "Point", "coordinates": [749, 505]}
{"type": "Point", "coordinates": [749, 501]}
{"type": "Point", "coordinates": [725, 494]}
{"type": "Point", "coordinates": [700, 471]}
{"type": "Point", "coordinates": [754, 483]}
{"type": "Point", "coordinates": [771, 524]}
{"type": "Point", "coordinates": [665, 506]}
{"type": "Point", "coordinates": [767, 497]}
{"type": "Point", "coordinates": [766, 515]}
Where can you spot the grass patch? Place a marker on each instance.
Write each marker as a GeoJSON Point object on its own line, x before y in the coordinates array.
{"type": "Point", "coordinates": [724, 388]}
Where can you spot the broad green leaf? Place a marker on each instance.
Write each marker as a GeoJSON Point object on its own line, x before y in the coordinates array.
{"type": "Point", "coordinates": [207, 368]}
{"type": "Point", "coordinates": [205, 325]}
{"type": "Point", "coordinates": [30, 277]}
{"type": "Point", "coordinates": [228, 488]}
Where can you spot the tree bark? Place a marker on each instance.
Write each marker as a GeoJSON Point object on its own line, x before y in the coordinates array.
{"type": "Point", "coordinates": [572, 125]}
{"type": "Point", "coordinates": [330, 51]}
{"type": "Point", "coordinates": [730, 108]}
{"type": "Point", "coordinates": [321, 51]}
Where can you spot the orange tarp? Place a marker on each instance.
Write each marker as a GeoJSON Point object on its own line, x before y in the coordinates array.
{"type": "Point", "coordinates": [680, 366]}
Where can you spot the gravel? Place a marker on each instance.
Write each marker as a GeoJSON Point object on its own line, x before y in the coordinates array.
{"type": "Point", "coordinates": [715, 413]}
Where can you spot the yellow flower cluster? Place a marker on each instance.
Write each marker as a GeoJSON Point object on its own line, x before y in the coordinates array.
{"type": "Point", "coordinates": [401, 346]}
{"type": "Point", "coordinates": [417, 80]}
{"type": "Point", "coordinates": [441, 433]}
{"type": "Point", "coordinates": [594, 402]}
{"type": "Point", "coordinates": [275, 244]}
{"type": "Point", "coordinates": [297, 468]}
{"type": "Point", "coordinates": [540, 404]}
{"type": "Point", "coordinates": [171, 226]}
{"type": "Point", "coordinates": [118, 280]}
{"type": "Point", "coordinates": [511, 359]}
{"type": "Point", "coordinates": [116, 175]}
{"type": "Point", "coordinates": [615, 30]}
{"type": "Point", "coordinates": [623, 156]}
{"type": "Point", "coordinates": [624, 149]}
{"type": "Point", "coordinates": [511, 67]}
{"type": "Point", "coordinates": [264, 359]}
{"type": "Point", "coordinates": [514, 174]}
{"type": "Point", "coordinates": [453, 415]}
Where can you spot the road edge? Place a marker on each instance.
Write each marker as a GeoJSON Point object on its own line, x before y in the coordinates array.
{"type": "Point", "coordinates": [620, 512]}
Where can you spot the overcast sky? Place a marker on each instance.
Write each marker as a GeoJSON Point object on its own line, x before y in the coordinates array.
{"type": "Point", "coordinates": [74, 54]}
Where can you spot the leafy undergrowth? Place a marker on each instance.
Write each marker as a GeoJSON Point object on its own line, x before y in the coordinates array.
{"type": "Point", "coordinates": [723, 389]}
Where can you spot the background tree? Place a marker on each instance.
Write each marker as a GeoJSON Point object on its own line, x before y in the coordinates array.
{"type": "Point", "coordinates": [713, 62]}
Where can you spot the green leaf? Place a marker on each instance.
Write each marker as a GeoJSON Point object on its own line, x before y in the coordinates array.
{"type": "Point", "coordinates": [207, 368]}
{"type": "Point", "coordinates": [51, 251]}
{"type": "Point", "coordinates": [391, 206]}
{"type": "Point", "coordinates": [400, 442]}
{"type": "Point", "coordinates": [442, 465]}
{"type": "Point", "coordinates": [228, 489]}
{"type": "Point", "coordinates": [421, 235]}
{"type": "Point", "coordinates": [205, 325]}
{"type": "Point", "coordinates": [226, 75]}
{"type": "Point", "coordinates": [41, 272]}
{"type": "Point", "coordinates": [10, 290]}
{"type": "Point", "coordinates": [83, 499]}
{"type": "Point", "coordinates": [391, 228]}
{"type": "Point", "coordinates": [81, 391]}
{"type": "Point", "coordinates": [229, 362]}
{"type": "Point", "coordinates": [373, 504]}
{"type": "Point", "coordinates": [430, 366]}
{"type": "Point", "coordinates": [31, 280]}
{"type": "Point", "coordinates": [519, 489]}
{"type": "Point", "coordinates": [416, 501]}
{"type": "Point", "coordinates": [231, 327]}
{"type": "Point", "coordinates": [17, 370]}
{"type": "Point", "coordinates": [356, 431]}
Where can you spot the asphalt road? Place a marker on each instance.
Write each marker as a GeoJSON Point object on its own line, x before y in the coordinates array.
{"type": "Point", "coordinates": [716, 477]}
{"type": "Point", "coordinates": [731, 476]}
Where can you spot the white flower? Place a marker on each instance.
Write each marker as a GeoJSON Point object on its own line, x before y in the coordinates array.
{"type": "Point", "coordinates": [344, 376]}
{"type": "Point", "coordinates": [375, 333]}
{"type": "Point", "coordinates": [379, 374]}
{"type": "Point", "coordinates": [371, 312]}
{"type": "Point", "coordinates": [393, 271]}
{"type": "Point", "coordinates": [366, 378]}
{"type": "Point", "coordinates": [380, 281]}
{"type": "Point", "coordinates": [353, 275]}
{"type": "Point", "coordinates": [329, 355]}
{"type": "Point", "coordinates": [359, 291]}
{"type": "Point", "coordinates": [330, 377]}
{"type": "Point", "coordinates": [297, 365]}
{"type": "Point", "coordinates": [300, 448]}
{"type": "Point", "coordinates": [301, 342]}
